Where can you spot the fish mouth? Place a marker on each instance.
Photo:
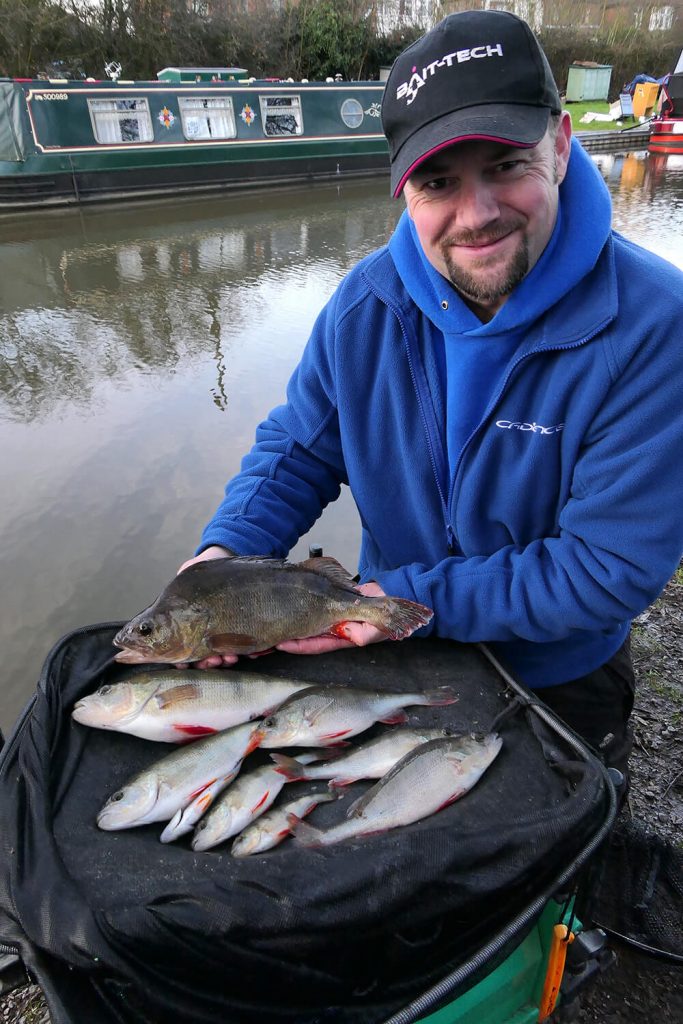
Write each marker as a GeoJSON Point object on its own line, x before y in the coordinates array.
{"type": "Point", "coordinates": [84, 712]}
{"type": "Point", "coordinates": [128, 656]}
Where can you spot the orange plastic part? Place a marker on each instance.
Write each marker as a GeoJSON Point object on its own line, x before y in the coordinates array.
{"type": "Point", "coordinates": [553, 977]}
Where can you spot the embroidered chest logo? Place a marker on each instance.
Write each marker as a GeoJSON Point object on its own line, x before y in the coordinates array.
{"type": "Point", "coordinates": [411, 88]}
{"type": "Point", "coordinates": [533, 428]}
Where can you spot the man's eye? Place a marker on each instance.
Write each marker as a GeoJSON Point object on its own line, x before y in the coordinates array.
{"type": "Point", "coordinates": [436, 184]}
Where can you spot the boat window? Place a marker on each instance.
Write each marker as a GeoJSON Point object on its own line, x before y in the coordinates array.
{"type": "Point", "coordinates": [121, 120]}
{"type": "Point", "coordinates": [352, 113]}
{"type": "Point", "coordinates": [207, 117]}
{"type": "Point", "coordinates": [281, 115]}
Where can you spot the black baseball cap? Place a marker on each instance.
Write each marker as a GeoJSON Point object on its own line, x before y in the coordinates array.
{"type": "Point", "coordinates": [475, 75]}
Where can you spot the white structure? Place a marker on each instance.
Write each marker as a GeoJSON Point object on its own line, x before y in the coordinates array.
{"type": "Point", "coordinates": [392, 14]}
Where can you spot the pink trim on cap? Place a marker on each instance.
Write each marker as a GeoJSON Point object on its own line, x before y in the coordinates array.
{"type": "Point", "coordinates": [452, 142]}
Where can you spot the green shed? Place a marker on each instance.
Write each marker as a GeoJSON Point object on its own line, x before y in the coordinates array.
{"type": "Point", "coordinates": [588, 81]}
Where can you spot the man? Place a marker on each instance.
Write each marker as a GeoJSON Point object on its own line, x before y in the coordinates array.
{"type": "Point", "coordinates": [501, 387]}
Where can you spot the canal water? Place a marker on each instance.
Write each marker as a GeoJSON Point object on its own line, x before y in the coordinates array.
{"type": "Point", "coordinates": [139, 347]}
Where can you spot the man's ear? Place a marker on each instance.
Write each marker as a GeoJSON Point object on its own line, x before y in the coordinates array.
{"type": "Point", "coordinates": [563, 145]}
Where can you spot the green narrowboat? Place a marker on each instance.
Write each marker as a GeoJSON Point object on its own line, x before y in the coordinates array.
{"type": "Point", "coordinates": [197, 129]}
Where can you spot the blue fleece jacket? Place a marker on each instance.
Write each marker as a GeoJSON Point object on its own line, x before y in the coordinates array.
{"type": "Point", "coordinates": [554, 516]}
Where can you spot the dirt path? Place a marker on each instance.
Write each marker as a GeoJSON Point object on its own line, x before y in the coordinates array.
{"type": "Point", "coordinates": [638, 989]}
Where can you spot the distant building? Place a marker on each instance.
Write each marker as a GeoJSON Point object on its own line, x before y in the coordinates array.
{"type": "Point", "coordinates": [591, 15]}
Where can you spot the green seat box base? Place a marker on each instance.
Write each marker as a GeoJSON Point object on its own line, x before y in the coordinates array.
{"type": "Point", "coordinates": [511, 993]}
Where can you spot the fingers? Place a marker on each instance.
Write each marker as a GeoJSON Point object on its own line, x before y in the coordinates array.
{"type": "Point", "coordinates": [314, 645]}
{"type": "Point", "coordinates": [371, 589]}
{"type": "Point", "coordinates": [211, 661]}
{"type": "Point", "coordinates": [360, 634]}
{"type": "Point", "coordinates": [347, 634]}
{"type": "Point", "coordinates": [215, 551]}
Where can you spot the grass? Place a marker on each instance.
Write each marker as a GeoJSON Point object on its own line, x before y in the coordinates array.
{"type": "Point", "coordinates": [664, 689]}
{"type": "Point", "coordinates": [577, 110]}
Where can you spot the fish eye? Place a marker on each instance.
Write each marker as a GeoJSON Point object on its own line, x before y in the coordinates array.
{"type": "Point", "coordinates": [200, 827]}
{"type": "Point", "coordinates": [145, 628]}
{"type": "Point", "coordinates": [107, 688]}
{"type": "Point", "coordinates": [117, 796]}
{"type": "Point", "coordinates": [268, 723]}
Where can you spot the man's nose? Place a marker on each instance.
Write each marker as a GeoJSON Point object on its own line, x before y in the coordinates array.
{"type": "Point", "coordinates": [477, 205]}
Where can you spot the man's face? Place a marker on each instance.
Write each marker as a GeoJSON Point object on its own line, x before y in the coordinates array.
{"type": "Point", "coordinates": [484, 212]}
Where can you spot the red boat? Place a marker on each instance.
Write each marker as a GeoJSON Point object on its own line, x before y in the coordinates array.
{"type": "Point", "coordinates": [666, 128]}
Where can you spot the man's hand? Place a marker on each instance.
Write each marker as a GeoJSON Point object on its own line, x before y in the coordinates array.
{"type": "Point", "coordinates": [358, 634]}
{"type": "Point", "coordinates": [213, 660]}
{"type": "Point", "coordinates": [215, 551]}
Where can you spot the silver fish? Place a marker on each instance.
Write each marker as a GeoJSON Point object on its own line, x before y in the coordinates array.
{"type": "Point", "coordinates": [176, 706]}
{"type": "Point", "coordinates": [156, 793]}
{"type": "Point", "coordinates": [427, 779]}
{"type": "Point", "coordinates": [370, 760]}
{"type": "Point", "coordinates": [274, 826]}
{"type": "Point", "coordinates": [246, 800]}
{"type": "Point", "coordinates": [328, 715]}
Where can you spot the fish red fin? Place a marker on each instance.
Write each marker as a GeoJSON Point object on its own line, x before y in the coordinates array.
{"type": "Point", "coordinates": [395, 718]}
{"type": "Point", "coordinates": [232, 643]}
{"type": "Point", "coordinates": [190, 731]}
{"type": "Point", "coordinates": [260, 803]}
{"type": "Point", "coordinates": [303, 832]}
{"type": "Point", "coordinates": [200, 790]}
{"type": "Point", "coordinates": [176, 695]}
{"type": "Point", "coordinates": [338, 783]}
{"type": "Point", "coordinates": [452, 799]}
{"type": "Point", "coordinates": [335, 735]}
{"type": "Point", "coordinates": [292, 769]}
{"type": "Point", "coordinates": [254, 741]}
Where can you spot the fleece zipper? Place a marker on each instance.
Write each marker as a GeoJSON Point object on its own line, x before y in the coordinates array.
{"type": "Point", "coordinates": [435, 448]}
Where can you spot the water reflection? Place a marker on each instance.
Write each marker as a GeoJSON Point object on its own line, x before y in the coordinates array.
{"type": "Point", "coordinates": [139, 346]}
{"type": "Point", "coordinates": [647, 194]}
{"type": "Point", "coordinates": [144, 292]}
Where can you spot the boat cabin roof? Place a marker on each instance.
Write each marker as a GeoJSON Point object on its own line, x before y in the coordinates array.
{"type": "Point", "coordinates": [202, 74]}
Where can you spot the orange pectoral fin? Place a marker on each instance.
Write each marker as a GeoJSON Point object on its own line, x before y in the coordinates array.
{"type": "Point", "coordinates": [255, 741]}
{"type": "Point", "coordinates": [260, 802]}
{"type": "Point", "coordinates": [190, 731]}
{"type": "Point", "coordinates": [201, 789]}
{"type": "Point", "coordinates": [335, 735]}
{"type": "Point", "coordinates": [452, 799]}
{"type": "Point", "coordinates": [395, 718]}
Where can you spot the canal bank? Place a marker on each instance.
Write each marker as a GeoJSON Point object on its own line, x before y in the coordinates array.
{"type": "Point", "coordinates": [614, 141]}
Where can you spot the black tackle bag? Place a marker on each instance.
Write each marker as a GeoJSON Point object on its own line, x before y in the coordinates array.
{"type": "Point", "coordinates": [118, 928]}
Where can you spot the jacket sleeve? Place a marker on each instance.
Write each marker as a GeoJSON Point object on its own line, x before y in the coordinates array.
{"type": "Point", "coordinates": [620, 534]}
{"type": "Point", "coordinates": [296, 465]}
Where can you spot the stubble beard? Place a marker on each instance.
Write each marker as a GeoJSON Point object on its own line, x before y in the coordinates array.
{"type": "Point", "coordinates": [488, 289]}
